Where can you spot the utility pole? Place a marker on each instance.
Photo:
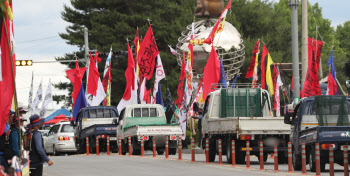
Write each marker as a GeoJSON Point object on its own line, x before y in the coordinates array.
{"type": "Point", "coordinates": [86, 40]}
{"type": "Point", "coordinates": [304, 42]}
{"type": "Point", "coordinates": [294, 6]}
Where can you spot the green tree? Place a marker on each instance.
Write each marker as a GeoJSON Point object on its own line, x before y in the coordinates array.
{"type": "Point", "coordinates": [110, 23]}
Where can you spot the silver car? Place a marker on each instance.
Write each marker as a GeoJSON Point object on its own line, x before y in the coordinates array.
{"type": "Point", "coordinates": [60, 139]}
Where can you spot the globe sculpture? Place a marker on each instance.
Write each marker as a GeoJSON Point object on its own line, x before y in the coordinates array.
{"type": "Point", "coordinates": [228, 44]}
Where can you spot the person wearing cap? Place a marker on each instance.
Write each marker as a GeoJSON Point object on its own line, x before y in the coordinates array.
{"type": "Point", "coordinates": [37, 154]}
{"type": "Point", "coordinates": [22, 111]}
{"type": "Point", "coordinates": [14, 135]}
{"type": "Point", "coordinates": [4, 148]}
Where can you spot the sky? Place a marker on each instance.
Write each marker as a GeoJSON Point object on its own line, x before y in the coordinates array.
{"type": "Point", "coordinates": [37, 24]}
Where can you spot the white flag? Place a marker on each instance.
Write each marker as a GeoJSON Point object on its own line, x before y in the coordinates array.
{"type": "Point", "coordinates": [30, 99]}
{"type": "Point", "coordinates": [47, 100]}
{"type": "Point", "coordinates": [159, 76]}
{"type": "Point", "coordinates": [182, 122]}
{"type": "Point", "coordinates": [38, 98]}
{"type": "Point", "coordinates": [279, 83]}
{"type": "Point", "coordinates": [142, 91]}
{"type": "Point", "coordinates": [172, 50]}
{"type": "Point", "coordinates": [100, 95]}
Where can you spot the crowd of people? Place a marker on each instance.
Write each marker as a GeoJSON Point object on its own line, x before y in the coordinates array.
{"type": "Point", "coordinates": [16, 133]}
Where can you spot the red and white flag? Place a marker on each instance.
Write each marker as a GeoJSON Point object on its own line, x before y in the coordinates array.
{"type": "Point", "coordinates": [279, 83]}
{"type": "Point", "coordinates": [172, 50]}
{"type": "Point", "coordinates": [96, 92]}
{"type": "Point", "coordinates": [160, 74]}
{"type": "Point", "coordinates": [130, 95]}
{"type": "Point", "coordinates": [107, 78]}
{"type": "Point", "coordinates": [332, 85]}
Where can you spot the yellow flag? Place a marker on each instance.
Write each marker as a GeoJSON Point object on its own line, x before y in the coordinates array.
{"type": "Point", "coordinates": [268, 75]}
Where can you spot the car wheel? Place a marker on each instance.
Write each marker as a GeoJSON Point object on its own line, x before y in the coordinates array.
{"type": "Point", "coordinates": [160, 152]}
{"type": "Point", "coordinates": [54, 151]}
{"type": "Point", "coordinates": [312, 161]}
{"type": "Point", "coordinates": [212, 149]}
{"type": "Point", "coordinates": [229, 150]}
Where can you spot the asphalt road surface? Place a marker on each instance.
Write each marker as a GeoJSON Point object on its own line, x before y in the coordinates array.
{"type": "Point", "coordinates": [82, 165]}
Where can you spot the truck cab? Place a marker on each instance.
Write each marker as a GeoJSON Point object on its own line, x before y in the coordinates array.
{"type": "Point", "coordinates": [95, 121]}
{"type": "Point", "coordinates": [323, 120]}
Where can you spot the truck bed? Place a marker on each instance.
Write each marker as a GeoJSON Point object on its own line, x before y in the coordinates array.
{"type": "Point", "coordinates": [99, 129]}
{"type": "Point", "coordinates": [153, 130]}
{"type": "Point", "coordinates": [246, 125]}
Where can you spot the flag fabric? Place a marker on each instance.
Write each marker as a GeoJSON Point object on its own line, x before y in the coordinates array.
{"type": "Point", "coordinates": [183, 122]}
{"type": "Point", "coordinates": [251, 67]}
{"type": "Point", "coordinates": [180, 88]}
{"type": "Point", "coordinates": [100, 95]}
{"type": "Point", "coordinates": [136, 39]}
{"type": "Point", "coordinates": [107, 75]}
{"type": "Point", "coordinates": [159, 98]}
{"type": "Point", "coordinates": [30, 99]}
{"type": "Point", "coordinates": [129, 95]}
{"type": "Point", "coordinates": [332, 88]}
{"type": "Point", "coordinates": [38, 98]}
{"type": "Point", "coordinates": [147, 55]}
{"type": "Point", "coordinates": [274, 82]}
{"type": "Point", "coordinates": [235, 80]}
{"type": "Point", "coordinates": [312, 84]}
{"type": "Point", "coordinates": [160, 74]}
{"type": "Point", "coordinates": [7, 82]}
{"type": "Point", "coordinates": [142, 91]}
{"type": "Point", "coordinates": [172, 50]}
{"type": "Point", "coordinates": [219, 25]}
{"type": "Point", "coordinates": [269, 81]}
{"type": "Point", "coordinates": [198, 96]}
{"type": "Point", "coordinates": [147, 93]}
{"type": "Point", "coordinates": [277, 101]}
{"type": "Point", "coordinates": [75, 76]}
{"type": "Point", "coordinates": [211, 72]}
{"type": "Point", "coordinates": [255, 76]}
{"type": "Point", "coordinates": [189, 83]}
{"type": "Point", "coordinates": [93, 75]}
{"type": "Point", "coordinates": [79, 103]}
{"type": "Point", "coordinates": [47, 99]}
{"type": "Point", "coordinates": [223, 80]}
{"type": "Point", "coordinates": [108, 93]}
{"type": "Point", "coordinates": [0, 67]}
{"type": "Point", "coordinates": [262, 66]}
{"type": "Point", "coordinates": [170, 106]}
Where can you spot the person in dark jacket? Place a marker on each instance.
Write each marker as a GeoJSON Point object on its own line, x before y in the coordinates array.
{"type": "Point", "coordinates": [14, 135]}
{"type": "Point", "coordinates": [3, 148]}
{"type": "Point", "coordinates": [37, 154]}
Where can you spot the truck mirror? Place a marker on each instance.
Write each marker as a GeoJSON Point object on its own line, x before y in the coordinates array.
{"type": "Point", "coordinates": [72, 123]}
{"type": "Point", "coordinates": [115, 121]}
{"type": "Point", "coordinates": [287, 119]}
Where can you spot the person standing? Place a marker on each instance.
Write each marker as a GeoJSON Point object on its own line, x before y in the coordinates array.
{"type": "Point", "coordinates": [37, 154]}
{"type": "Point", "coordinates": [4, 148]}
{"type": "Point", "coordinates": [14, 135]}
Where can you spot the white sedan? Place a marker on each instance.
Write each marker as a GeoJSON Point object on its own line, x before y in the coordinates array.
{"type": "Point", "coordinates": [60, 139]}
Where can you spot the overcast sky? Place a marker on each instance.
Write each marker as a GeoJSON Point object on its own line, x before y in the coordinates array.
{"type": "Point", "coordinates": [38, 22]}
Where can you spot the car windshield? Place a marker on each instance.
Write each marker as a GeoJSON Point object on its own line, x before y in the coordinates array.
{"type": "Point", "coordinates": [67, 128]}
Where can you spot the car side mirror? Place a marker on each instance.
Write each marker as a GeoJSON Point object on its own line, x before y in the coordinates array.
{"type": "Point", "coordinates": [287, 119]}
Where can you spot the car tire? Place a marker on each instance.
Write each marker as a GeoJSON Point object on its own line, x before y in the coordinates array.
{"type": "Point", "coordinates": [172, 151]}
{"type": "Point", "coordinates": [160, 152]}
{"type": "Point", "coordinates": [212, 149]}
{"type": "Point", "coordinates": [229, 150]}
{"type": "Point", "coordinates": [54, 151]}
{"type": "Point", "coordinates": [312, 160]}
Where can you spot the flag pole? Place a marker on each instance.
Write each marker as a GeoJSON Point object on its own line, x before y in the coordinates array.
{"type": "Point", "coordinates": [14, 83]}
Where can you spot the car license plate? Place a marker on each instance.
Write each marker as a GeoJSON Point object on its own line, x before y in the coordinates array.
{"type": "Point", "coordinates": [113, 138]}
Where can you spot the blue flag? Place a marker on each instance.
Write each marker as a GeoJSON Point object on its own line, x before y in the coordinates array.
{"type": "Point", "coordinates": [331, 64]}
{"type": "Point", "coordinates": [234, 81]}
{"type": "Point", "coordinates": [80, 103]}
{"type": "Point", "coordinates": [159, 98]}
{"type": "Point", "coordinates": [223, 79]}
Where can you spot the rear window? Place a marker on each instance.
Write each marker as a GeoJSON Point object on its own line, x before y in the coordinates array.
{"type": "Point", "coordinates": [101, 113]}
{"type": "Point", "coordinates": [67, 128]}
{"type": "Point", "coordinates": [144, 112]}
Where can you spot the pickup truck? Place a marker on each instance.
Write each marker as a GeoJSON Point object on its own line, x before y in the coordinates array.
{"type": "Point", "coordinates": [320, 119]}
{"type": "Point", "coordinates": [96, 121]}
{"type": "Point", "coordinates": [147, 121]}
{"type": "Point", "coordinates": [243, 114]}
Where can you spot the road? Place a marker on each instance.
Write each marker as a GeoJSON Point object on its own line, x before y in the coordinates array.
{"type": "Point", "coordinates": [82, 165]}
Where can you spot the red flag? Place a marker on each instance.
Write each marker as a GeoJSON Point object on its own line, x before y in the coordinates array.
{"type": "Point", "coordinates": [218, 25]}
{"type": "Point", "coordinates": [262, 66]}
{"type": "Point", "coordinates": [211, 72]}
{"type": "Point", "coordinates": [180, 88]}
{"type": "Point", "coordinates": [93, 76]}
{"type": "Point", "coordinates": [274, 80]}
{"type": "Point", "coordinates": [147, 55]}
{"type": "Point", "coordinates": [7, 87]}
{"type": "Point", "coordinates": [75, 76]}
{"type": "Point", "coordinates": [312, 84]}
{"type": "Point", "coordinates": [129, 75]}
{"type": "Point", "coordinates": [250, 71]}
{"type": "Point", "coordinates": [332, 85]}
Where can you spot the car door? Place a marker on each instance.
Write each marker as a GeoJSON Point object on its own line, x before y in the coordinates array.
{"type": "Point", "coordinates": [51, 138]}
{"type": "Point", "coordinates": [47, 143]}
{"type": "Point", "coordinates": [56, 134]}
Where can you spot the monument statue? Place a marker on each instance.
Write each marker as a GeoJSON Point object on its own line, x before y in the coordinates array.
{"type": "Point", "coordinates": [209, 8]}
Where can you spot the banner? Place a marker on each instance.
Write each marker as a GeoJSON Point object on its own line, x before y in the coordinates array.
{"type": "Point", "coordinates": [47, 100]}
{"type": "Point", "coordinates": [312, 84]}
{"type": "Point", "coordinates": [38, 98]}
{"type": "Point", "coordinates": [30, 99]}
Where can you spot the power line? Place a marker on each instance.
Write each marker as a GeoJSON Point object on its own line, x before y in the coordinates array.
{"type": "Point", "coordinates": [38, 39]}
